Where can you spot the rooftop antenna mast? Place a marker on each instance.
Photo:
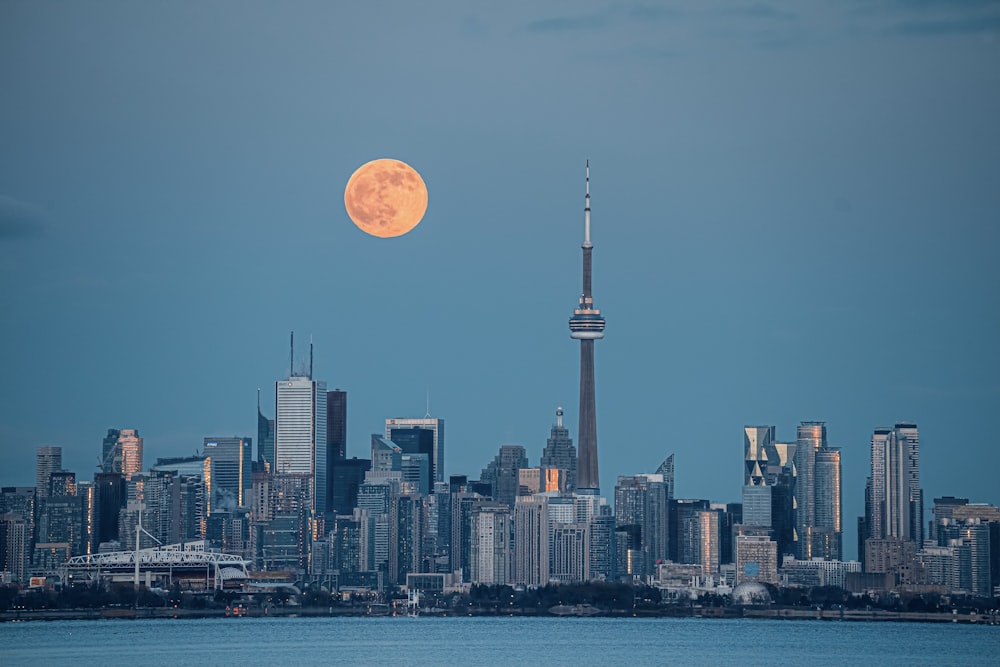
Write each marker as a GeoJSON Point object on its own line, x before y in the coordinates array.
{"type": "Point", "coordinates": [426, 416]}
{"type": "Point", "coordinates": [291, 354]}
{"type": "Point", "coordinates": [310, 356]}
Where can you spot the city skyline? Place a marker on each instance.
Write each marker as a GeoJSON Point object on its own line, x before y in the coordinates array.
{"type": "Point", "coordinates": [796, 211]}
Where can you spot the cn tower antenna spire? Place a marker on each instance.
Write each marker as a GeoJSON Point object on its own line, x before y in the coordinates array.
{"type": "Point", "coordinates": [586, 212]}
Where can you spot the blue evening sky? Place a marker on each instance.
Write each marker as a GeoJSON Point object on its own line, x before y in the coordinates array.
{"type": "Point", "coordinates": [796, 216]}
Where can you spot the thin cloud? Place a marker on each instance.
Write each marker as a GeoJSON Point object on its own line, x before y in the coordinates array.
{"type": "Point", "coordinates": [931, 27]}
{"type": "Point", "coordinates": [639, 13]}
{"type": "Point", "coordinates": [760, 10]}
{"type": "Point", "coordinates": [569, 23]}
{"type": "Point", "coordinates": [19, 220]}
{"type": "Point", "coordinates": [949, 4]}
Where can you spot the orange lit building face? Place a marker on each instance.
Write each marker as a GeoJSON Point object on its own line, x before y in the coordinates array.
{"type": "Point", "coordinates": [554, 479]}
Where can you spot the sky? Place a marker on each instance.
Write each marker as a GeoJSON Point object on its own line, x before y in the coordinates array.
{"type": "Point", "coordinates": [796, 216]}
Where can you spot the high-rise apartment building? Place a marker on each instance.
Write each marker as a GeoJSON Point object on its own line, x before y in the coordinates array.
{"type": "Point", "coordinates": [570, 552]}
{"type": "Point", "coordinates": [559, 452]}
{"type": "Point", "coordinates": [15, 545]}
{"type": "Point", "coordinates": [894, 499]}
{"type": "Point", "coordinates": [407, 527]}
{"type": "Point", "coordinates": [587, 326]}
{"type": "Point", "coordinates": [827, 533]}
{"type": "Point", "coordinates": [641, 508]}
{"type": "Point", "coordinates": [47, 461]}
{"type": "Point", "coordinates": [408, 430]}
{"type": "Point", "coordinates": [490, 548]}
{"type": "Point", "coordinates": [300, 434]}
{"type": "Point", "coordinates": [531, 541]}
{"type": "Point", "coordinates": [130, 446]}
{"type": "Point", "coordinates": [667, 470]}
{"type": "Point", "coordinates": [818, 523]}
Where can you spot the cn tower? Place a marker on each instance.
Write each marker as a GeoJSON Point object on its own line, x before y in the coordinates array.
{"type": "Point", "coordinates": [587, 325]}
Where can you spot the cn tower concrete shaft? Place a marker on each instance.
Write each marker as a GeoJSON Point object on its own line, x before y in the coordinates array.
{"type": "Point", "coordinates": [587, 325]}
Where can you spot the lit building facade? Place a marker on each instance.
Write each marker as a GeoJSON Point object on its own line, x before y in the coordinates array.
{"type": "Point", "coordinates": [130, 446]}
{"type": "Point", "coordinates": [559, 453]}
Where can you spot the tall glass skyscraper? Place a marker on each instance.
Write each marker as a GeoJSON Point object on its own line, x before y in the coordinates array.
{"type": "Point", "coordinates": [300, 433]}
{"type": "Point", "coordinates": [265, 437]}
{"type": "Point", "coordinates": [828, 529]}
{"type": "Point", "coordinates": [432, 424]}
{"type": "Point", "coordinates": [811, 437]}
{"type": "Point", "coordinates": [231, 458]}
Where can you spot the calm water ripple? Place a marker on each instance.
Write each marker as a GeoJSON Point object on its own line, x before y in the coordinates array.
{"type": "Point", "coordinates": [497, 642]}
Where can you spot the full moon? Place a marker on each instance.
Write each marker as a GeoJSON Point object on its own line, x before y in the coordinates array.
{"type": "Point", "coordinates": [385, 198]}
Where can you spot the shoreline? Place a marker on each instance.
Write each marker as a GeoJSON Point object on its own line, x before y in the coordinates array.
{"type": "Point", "coordinates": [790, 613]}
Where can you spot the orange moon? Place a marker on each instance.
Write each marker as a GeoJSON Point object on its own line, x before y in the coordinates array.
{"type": "Point", "coordinates": [386, 198]}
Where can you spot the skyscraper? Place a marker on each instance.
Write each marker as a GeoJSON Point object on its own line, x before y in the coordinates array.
{"type": "Point", "coordinates": [121, 452]}
{"type": "Point", "coordinates": [502, 473]}
{"type": "Point", "coordinates": [827, 540]}
{"type": "Point", "coordinates": [130, 446]}
{"type": "Point", "coordinates": [893, 497]}
{"type": "Point", "coordinates": [769, 483]}
{"type": "Point", "coordinates": [559, 451]}
{"type": "Point", "coordinates": [667, 470]}
{"type": "Point", "coordinates": [300, 432]}
{"type": "Point", "coordinates": [265, 437]}
{"type": "Point", "coordinates": [641, 507]}
{"type": "Point", "coordinates": [336, 424]}
{"type": "Point", "coordinates": [47, 461]}
{"type": "Point", "coordinates": [811, 437]}
{"type": "Point", "coordinates": [531, 541]}
{"type": "Point", "coordinates": [489, 547]}
{"type": "Point", "coordinates": [587, 325]}
{"type": "Point", "coordinates": [231, 458]}
{"type": "Point", "coordinates": [111, 455]}
{"type": "Point", "coordinates": [403, 428]}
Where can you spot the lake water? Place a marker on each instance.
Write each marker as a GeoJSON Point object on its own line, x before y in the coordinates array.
{"type": "Point", "coordinates": [302, 642]}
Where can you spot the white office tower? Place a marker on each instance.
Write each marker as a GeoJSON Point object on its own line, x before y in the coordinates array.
{"type": "Point", "coordinates": [300, 433]}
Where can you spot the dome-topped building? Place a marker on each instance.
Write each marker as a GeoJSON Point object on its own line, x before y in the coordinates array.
{"type": "Point", "coordinates": [751, 593]}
